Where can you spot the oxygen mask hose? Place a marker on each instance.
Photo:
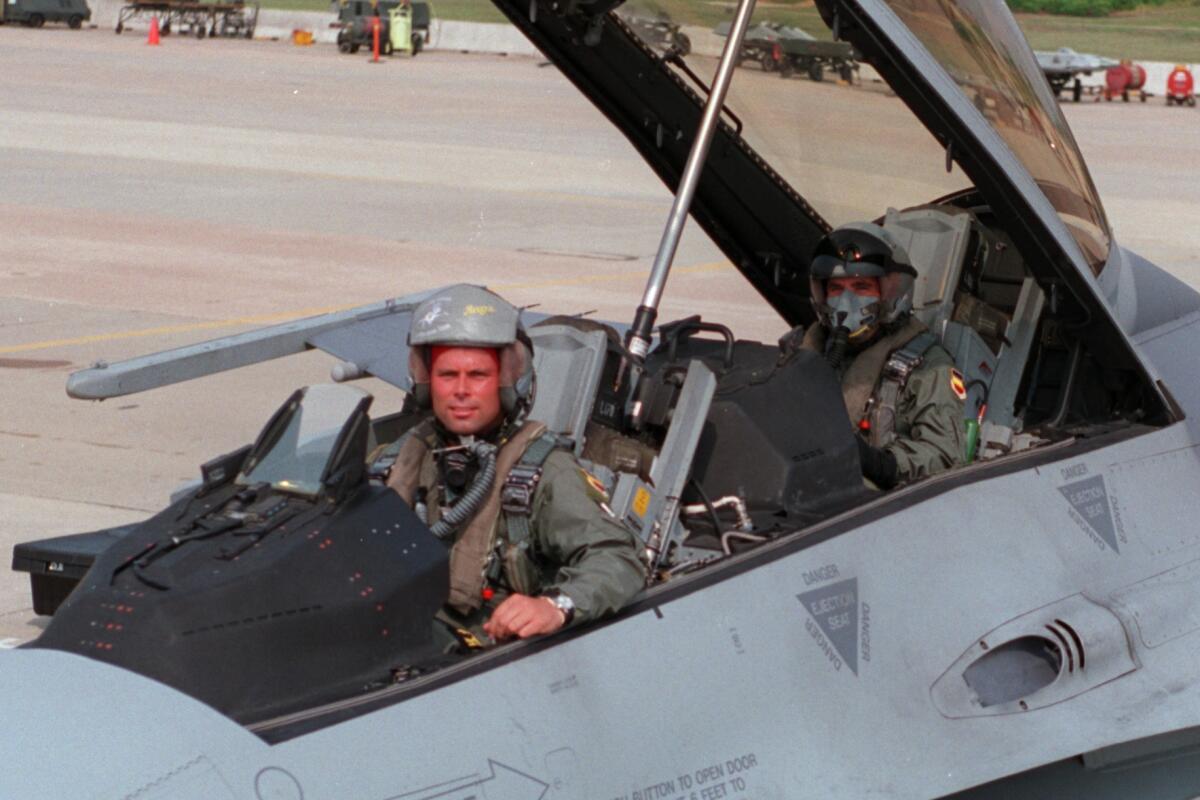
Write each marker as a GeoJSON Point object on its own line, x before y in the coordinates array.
{"type": "Point", "coordinates": [474, 496]}
{"type": "Point", "coordinates": [835, 348]}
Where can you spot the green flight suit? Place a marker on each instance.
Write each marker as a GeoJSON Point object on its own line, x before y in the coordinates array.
{"type": "Point", "coordinates": [574, 546]}
{"type": "Point", "coordinates": [930, 434]}
{"type": "Point", "coordinates": [929, 430]}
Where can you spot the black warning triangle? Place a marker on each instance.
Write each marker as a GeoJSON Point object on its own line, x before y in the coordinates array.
{"type": "Point", "coordinates": [1090, 500]}
{"type": "Point", "coordinates": [835, 610]}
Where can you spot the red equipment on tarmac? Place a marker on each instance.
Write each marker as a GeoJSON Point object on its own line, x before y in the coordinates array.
{"type": "Point", "coordinates": [1125, 78]}
{"type": "Point", "coordinates": [1181, 87]}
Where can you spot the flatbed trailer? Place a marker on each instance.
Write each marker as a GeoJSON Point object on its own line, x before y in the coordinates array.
{"type": "Point", "coordinates": [789, 56]}
{"type": "Point", "coordinates": [787, 50]}
{"type": "Point", "coordinates": [199, 19]}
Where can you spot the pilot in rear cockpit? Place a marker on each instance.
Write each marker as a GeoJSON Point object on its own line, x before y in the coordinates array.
{"type": "Point", "coordinates": [900, 386]}
{"type": "Point", "coordinates": [533, 545]}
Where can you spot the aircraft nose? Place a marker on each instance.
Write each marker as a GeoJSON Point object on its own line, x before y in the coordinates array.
{"type": "Point", "coordinates": [80, 728]}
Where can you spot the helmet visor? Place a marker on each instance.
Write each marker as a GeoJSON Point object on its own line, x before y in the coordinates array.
{"type": "Point", "coordinates": [832, 266]}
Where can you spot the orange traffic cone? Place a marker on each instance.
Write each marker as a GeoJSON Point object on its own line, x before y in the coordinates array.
{"type": "Point", "coordinates": [153, 37]}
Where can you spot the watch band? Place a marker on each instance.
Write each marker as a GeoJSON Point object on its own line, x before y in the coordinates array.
{"type": "Point", "coordinates": [563, 603]}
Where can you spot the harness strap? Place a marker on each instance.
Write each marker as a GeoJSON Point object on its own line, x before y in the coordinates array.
{"type": "Point", "coordinates": [381, 465]}
{"type": "Point", "coordinates": [516, 498]}
{"type": "Point", "coordinates": [896, 371]}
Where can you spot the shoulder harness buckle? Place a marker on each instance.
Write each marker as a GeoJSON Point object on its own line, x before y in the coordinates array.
{"type": "Point", "coordinates": [881, 413]}
{"type": "Point", "coordinates": [516, 497]}
{"type": "Point", "coordinates": [902, 363]}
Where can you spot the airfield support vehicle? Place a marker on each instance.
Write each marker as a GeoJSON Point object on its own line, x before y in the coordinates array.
{"type": "Point", "coordinates": [1123, 79]}
{"type": "Point", "coordinates": [354, 21]}
{"type": "Point", "coordinates": [787, 50]}
{"type": "Point", "coordinates": [36, 13]}
{"type": "Point", "coordinates": [1181, 87]}
{"type": "Point", "coordinates": [234, 18]}
{"type": "Point", "coordinates": [814, 57]}
{"type": "Point", "coordinates": [1064, 66]}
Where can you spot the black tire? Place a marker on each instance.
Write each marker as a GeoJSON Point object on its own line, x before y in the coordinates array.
{"type": "Point", "coordinates": [1191, 101]}
{"type": "Point", "coordinates": [344, 47]}
{"type": "Point", "coordinates": [74, 22]}
{"type": "Point", "coordinates": [768, 63]}
{"type": "Point", "coordinates": [1077, 91]}
{"type": "Point", "coordinates": [120, 27]}
{"type": "Point", "coordinates": [36, 20]}
{"type": "Point", "coordinates": [816, 72]}
{"type": "Point", "coordinates": [683, 44]}
{"type": "Point", "coordinates": [846, 73]}
{"type": "Point", "coordinates": [418, 43]}
{"type": "Point", "coordinates": [353, 47]}
{"type": "Point", "coordinates": [200, 31]}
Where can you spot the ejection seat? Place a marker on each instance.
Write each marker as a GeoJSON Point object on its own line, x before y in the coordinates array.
{"type": "Point", "coordinates": [989, 345]}
{"type": "Point", "coordinates": [571, 359]}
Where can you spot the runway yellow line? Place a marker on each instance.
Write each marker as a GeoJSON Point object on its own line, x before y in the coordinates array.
{"type": "Point", "coordinates": [288, 316]}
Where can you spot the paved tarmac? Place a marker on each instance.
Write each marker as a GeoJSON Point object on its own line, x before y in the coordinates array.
{"type": "Point", "coordinates": [155, 197]}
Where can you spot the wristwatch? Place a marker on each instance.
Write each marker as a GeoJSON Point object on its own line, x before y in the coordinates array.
{"type": "Point", "coordinates": [563, 603]}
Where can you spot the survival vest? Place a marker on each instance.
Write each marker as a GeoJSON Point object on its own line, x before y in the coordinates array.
{"type": "Point", "coordinates": [875, 379]}
{"type": "Point", "coordinates": [479, 555]}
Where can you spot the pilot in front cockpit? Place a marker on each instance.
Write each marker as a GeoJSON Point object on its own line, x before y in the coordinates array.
{"type": "Point", "coordinates": [900, 386]}
{"type": "Point", "coordinates": [533, 546]}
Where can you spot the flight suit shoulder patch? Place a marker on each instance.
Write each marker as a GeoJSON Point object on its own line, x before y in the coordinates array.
{"type": "Point", "coordinates": [595, 487]}
{"type": "Point", "coordinates": [957, 384]}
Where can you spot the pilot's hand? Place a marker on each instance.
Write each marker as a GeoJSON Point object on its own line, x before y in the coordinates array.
{"type": "Point", "coordinates": [522, 616]}
{"type": "Point", "coordinates": [878, 465]}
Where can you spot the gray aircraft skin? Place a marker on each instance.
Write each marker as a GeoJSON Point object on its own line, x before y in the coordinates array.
{"type": "Point", "coordinates": [896, 649]}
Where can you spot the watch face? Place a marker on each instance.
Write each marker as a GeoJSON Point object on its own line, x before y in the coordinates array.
{"type": "Point", "coordinates": [564, 604]}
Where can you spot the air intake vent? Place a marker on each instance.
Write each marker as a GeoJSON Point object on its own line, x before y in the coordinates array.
{"type": "Point", "coordinates": [1072, 644]}
{"type": "Point", "coordinates": [1036, 660]}
{"type": "Point", "coordinates": [1014, 670]}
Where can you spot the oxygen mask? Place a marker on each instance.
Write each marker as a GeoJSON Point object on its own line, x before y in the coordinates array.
{"type": "Point", "coordinates": [857, 314]}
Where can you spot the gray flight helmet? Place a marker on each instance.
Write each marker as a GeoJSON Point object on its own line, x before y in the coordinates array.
{"type": "Point", "coordinates": [472, 316]}
{"type": "Point", "coordinates": [863, 249]}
